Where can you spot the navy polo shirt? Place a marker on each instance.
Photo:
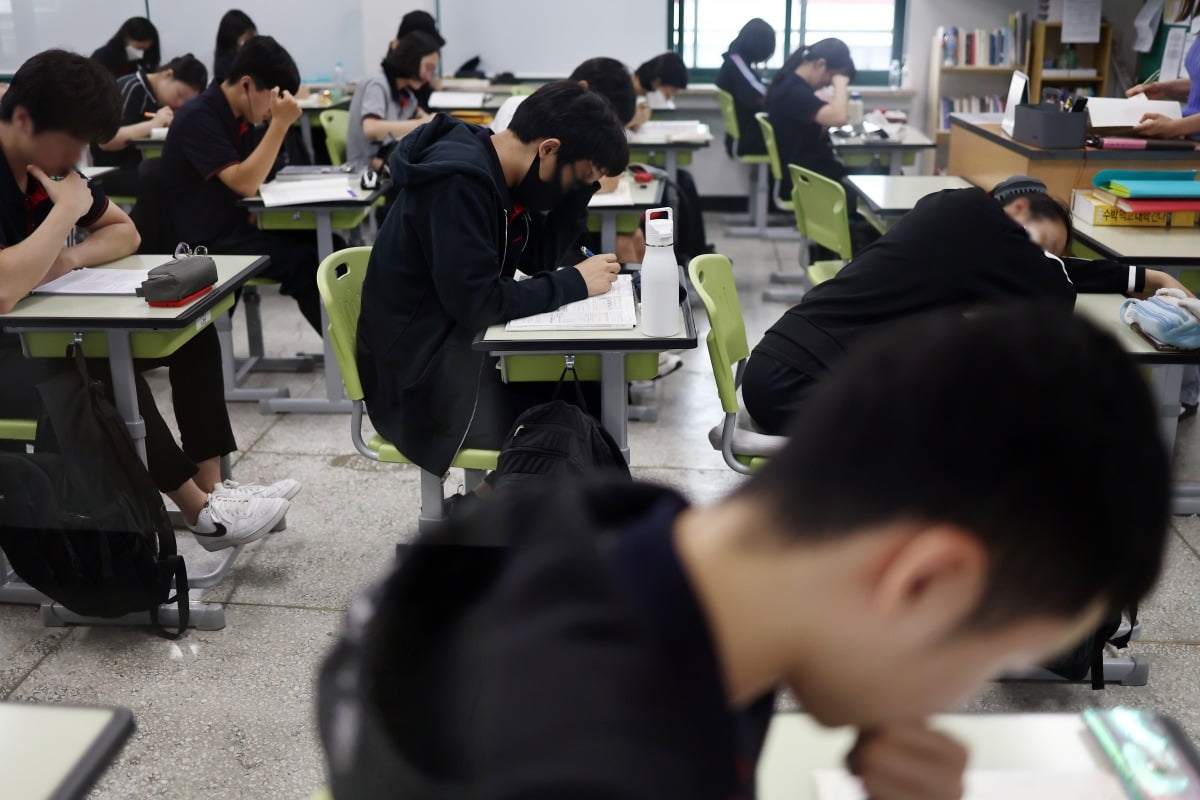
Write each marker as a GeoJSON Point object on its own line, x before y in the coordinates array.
{"type": "Point", "coordinates": [137, 100]}
{"type": "Point", "coordinates": [205, 138]}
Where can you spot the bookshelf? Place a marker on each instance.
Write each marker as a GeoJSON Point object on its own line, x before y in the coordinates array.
{"type": "Point", "coordinates": [1045, 43]}
{"type": "Point", "coordinates": [961, 80]}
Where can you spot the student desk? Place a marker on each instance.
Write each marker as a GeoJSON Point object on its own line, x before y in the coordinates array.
{"type": "Point", "coordinates": [53, 752]}
{"type": "Point", "coordinates": [122, 328]}
{"type": "Point", "coordinates": [92, 172]}
{"type": "Point", "coordinates": [150, 147]}
{"type": "Point", "coordinates": [666, 138]}
{"type": "Point", "coordinates": [907, 140]}
{"type": "Point", "coordinates": [797, 746]}
{"type": "Point", "coordinates": [889, 197]}
{"type": "Point", "coordinates": [616, 351]}
{"type": "Point", "coordinates": [321, 217]}
{"type": "Point", "coordinates": [645, 195]}
{"type": "Point", "coordinates": [1168, 249]}
{"type": "Point", "coordinates": [491, 101]}
{"type": "Point", "coordinates": [986, 155]}
{"type": "Point", "coordinates": [312, 108]}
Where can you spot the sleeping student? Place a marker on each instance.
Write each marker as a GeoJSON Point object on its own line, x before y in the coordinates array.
{"type": "Point", "coordinates": [385, 105]}
{"type": "Point", "coordinates": [148, 101]}
{"type": "Point", "coordinates": [665, 74]}
{"type": "Point", "coordinates": [133, 46]}
{"type": "Point", "coordinates": [755, 44]}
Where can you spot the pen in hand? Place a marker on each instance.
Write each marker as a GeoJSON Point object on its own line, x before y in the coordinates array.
{"type": "Point", "coordinates": [587, 253]}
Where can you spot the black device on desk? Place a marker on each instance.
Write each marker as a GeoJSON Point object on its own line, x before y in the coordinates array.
{"type": "Point", "coordinates": [369, 180]}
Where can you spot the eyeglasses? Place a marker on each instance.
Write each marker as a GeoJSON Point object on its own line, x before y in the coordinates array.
{"type": "Point", "coordinates": [184, 249]}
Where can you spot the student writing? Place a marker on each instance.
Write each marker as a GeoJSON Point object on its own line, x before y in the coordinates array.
{"type": "Point", "coordinates": [385, 104]}
{"type": "Point", "coordinates": [665, 74]}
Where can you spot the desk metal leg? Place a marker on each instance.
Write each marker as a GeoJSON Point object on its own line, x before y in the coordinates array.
{"type": "Point", "coordinates": [608, 232]}
{"type": "Point", "coordinates": [334, 401]}
{"type": "Point", "coordinates": [896, 167]}
{"type": "Point", "coordinates": [671, 163]}
{"type": "Point", "coordinates": [120, 363]}
{"type": "Point", "coordinates": [614, 400]}
{"type": "Point", "coordinates": [1165, 381]}
{"type": "Point", "coordinates": [306, 137]}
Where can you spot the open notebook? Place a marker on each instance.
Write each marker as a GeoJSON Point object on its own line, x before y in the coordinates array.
{"type": "Point", "coordinates": [612, 311]}
{"type": "Point", "coordinates": [96, 281]}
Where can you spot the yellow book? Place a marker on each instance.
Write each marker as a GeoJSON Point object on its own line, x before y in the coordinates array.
{"type": "Point", "coordinates": [1094, 211]}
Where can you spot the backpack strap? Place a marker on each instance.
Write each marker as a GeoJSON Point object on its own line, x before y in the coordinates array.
{"type": "Point", "coordinates": [173, 566]}
{"type": "Point", "coordinates": [569, 366]}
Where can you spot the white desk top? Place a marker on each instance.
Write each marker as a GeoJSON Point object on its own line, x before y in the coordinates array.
{"type": "Point", "coordinates": [680, 133]}
{"type": "Point", "coordinates": [645, 195]}
{"type": "Point", "coordinates": [1142, 246]}
{"type": "Point", "coordinates": [797, 746]}
{"type": "Point", "coordinates": [95, 172]}
{"type": "Point", "coordinates": [897, 194]}
{"type": "Point", "coordinates": [899, 137]}
{"type": "Point", "coordinates": [1104, 311]}
{"type": "Point", "coordinates": [92, 311]}
{"type": "Point", "coordinates": [50, 751]}
{"type": "Point", "coordinates": [361, 197]}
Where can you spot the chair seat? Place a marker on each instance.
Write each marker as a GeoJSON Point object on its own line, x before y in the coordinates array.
{"type": "Point", "coordinates": [466, 459]}
{"type": "Point", "coordinates": [762, 158]}
{"type": "Point", "coordinates": [821, 271]}
{"type": "Point", "coordinates": [19, 430]}
{"type": "Point", "coordinates": [748, 440]}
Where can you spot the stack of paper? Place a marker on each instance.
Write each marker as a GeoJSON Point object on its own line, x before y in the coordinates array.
{"type": "Point", "coordinates": [96, 280]}
{"type": "Point", "coordinates": [159, 134]}
{"type": "Point", "coordinates": [452, 100]}
{"type": "Point", "coordinates": [836, 784]}
{"type": "Point", "coordinates": [309, 190]}
{"type": "Point", "coordinates": [674, 131]}
{"type": "Point", "coordinates": [612, 311]}
{"type": "Point", "coordinates": [623, 196]}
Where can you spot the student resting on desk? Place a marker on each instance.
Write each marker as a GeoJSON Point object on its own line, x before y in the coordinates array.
{"type": "Point", "coordinates": [957, 249]}
{"type": "Point", "coordinates": [473, 207]}
{"type": "Point", "coordinates": [385, 105]}
{"type": "Point", "coordinates": [755, 44]}
{"type": "Point", "coordinates": [214, 157]}
{"type": "Point", "coordinates": [422, 21]}
{"type": "Point", "coordinates": [235, 29]}
{"type": "Point", "coordinates": [665, 74]}
{"type": "Point", "coordinates": [148, 101]}
{"type": "Point", "coordinates": [920, 535]}
{"type": "Point", "coordinates": [58, 103]}
{"type": "Point", "coordinates": [134, 46]}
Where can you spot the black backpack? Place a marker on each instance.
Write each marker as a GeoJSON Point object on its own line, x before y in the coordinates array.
{"type": "Point", "coordinates": [81, 521]}
{"type": "Point", "coordinates": [558, 440]}
{"type": "Point", "coordinates": [1087, 659]}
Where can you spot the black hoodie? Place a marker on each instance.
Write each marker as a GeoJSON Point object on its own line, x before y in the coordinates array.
{"type": "Point", "coordinates": [440, 272]}
{"type": "Point", "coordinates": [548, 647]}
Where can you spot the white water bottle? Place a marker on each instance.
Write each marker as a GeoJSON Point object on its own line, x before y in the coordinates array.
{"type": "Point", "coordinates": [660, 276]}
{"type": "Point", "coordinates": [855, 109]}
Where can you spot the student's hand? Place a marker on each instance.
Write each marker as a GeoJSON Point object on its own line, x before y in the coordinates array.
{"type": "Point", "coordinates": [1157, 279]}
{"type": "Point", "coordinates": [72, 192]}
{"type": "Point", "coordinates": [284, 107]}
{"type": "Point", "coordinates": [1153, 91]}
{"type": "Point", "coordinates": [641, 116]}
{"type": "Point", "coordinates": [908, 762]}
{"type": "Point", "coordinates": [163, 117]}
{"type": "Point", "coordinates": [840, 81]}
{"type": "Point", "coordinates": [599, 273]}
{"type": "Point", "coordinates": [1157, 126]}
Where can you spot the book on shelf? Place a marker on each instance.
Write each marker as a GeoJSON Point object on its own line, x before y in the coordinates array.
{"type": "Point", "coordinates": [977, 47]}
{"type": "Point", "coordinates": [977, 104]}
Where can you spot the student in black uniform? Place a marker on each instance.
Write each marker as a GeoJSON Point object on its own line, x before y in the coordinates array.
{"type": "Point", "coordinates": [236, 28]}
{"type": "Point", "coordinates": [755, 44]}
{"type": "Point", "coordinates": [133, 46]}
{"type": "Point", "coordinates": [927, 529]}
{"type": "Point", "coordinates": [424, 22]}
{"type": "Point", "coordinates": [956, 249]}
{"type": "Point", "coordinates": [472, 208]}
{"type": "Point", "coordinates": [148, 101]}
{"type": "Point", "coordinates": [57, 103]}
{"type": "Point", "coordinates": [665, 74]}
{"type": "Point", "coordinates": [214, 157]}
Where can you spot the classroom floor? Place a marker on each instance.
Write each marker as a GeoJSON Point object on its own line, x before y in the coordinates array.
{"type": "Point", "coordinates": [229, 714]}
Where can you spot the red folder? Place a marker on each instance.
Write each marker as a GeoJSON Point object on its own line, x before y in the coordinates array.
{"type": "Point", "coordinates": [1153, 205]}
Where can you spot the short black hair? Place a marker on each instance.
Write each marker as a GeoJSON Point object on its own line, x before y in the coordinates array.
{"type": "Point", "coordinates": [139, 29]}
{"type": "Point", "coordinates": [755, 42]}
{"type": "Point", "coordinates": [189, 70]}
{"type": "Point", "coordinates": [65, 92]}
{"type": "Point", "coordinates": [420, 21]}
{"type": "Point", "coordinates": [581, 119]}
{"type": "Point", "coordinates": [233, 25]}
{"type": "Point", "coordinates": [266, 63]}
{"type": "Point", "coordinates": [668, 69]}
{"type": "Point", "coordinates": [609, 78]}
{"type": "Point", "coordinates": [1026, 426]}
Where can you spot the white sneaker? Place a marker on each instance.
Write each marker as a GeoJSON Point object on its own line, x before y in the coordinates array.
{"type": "Point", "coordinates": [229, 521]}
{"type": "Point", "coordinates": [285, 489]}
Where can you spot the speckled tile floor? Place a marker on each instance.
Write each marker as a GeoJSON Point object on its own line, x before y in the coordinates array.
{"type": "Point", "coordinates": [229, 713]}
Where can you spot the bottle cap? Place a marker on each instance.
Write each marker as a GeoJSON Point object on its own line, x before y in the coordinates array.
{"type": "Point", "coordinates": [660, 233]}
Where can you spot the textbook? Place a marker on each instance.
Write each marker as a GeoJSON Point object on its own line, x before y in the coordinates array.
{"type": "Point", "coordinates": [1088, 208]}
{"type": "Point", "coordinates": [1130, 183]}
{"type": "Point", "coordinates": [1153, 205]}
{"type": "Point", "coordinates": [612, 311]}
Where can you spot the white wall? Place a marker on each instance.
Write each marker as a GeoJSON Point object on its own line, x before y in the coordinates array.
{"type": "Point", "coordinates": [380, 20]}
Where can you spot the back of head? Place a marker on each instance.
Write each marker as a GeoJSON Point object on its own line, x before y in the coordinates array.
{"type": "Point", "coordinates": [668, 69]}
{"type": "Point", "coordinates": [404, 60]}
{"type": "Point", "coordinates": [1028, 428]}
{"type": "Point", "coordinates": [755, 42]}
{"type": "Point", "coordinates": [65, 92]}
{"type": "Point", "coordinates": [1042, 205]}
{"type": "Point", "coordinates": [420, 21]}
{"type": "Point", "coordinates": [265, 62]}
{"type": "Point", "coordinates": [610, 79]}
{"type": "Point", "coordinates": [835, 53]}
{"type": "Point", "coordinates": [139, 29]}
{"type": "Point", "coordinates": [233, 26]}
{"type": "Point", "coordinates": [582, 120]}
{"type": "Point", "coordinates": [189, 70]}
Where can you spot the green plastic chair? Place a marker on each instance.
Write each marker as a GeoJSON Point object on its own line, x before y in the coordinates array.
{"type": "Point", "coordinates": [768, 131]}
{"type": "Point", "coordinates": [339, 279]}
{"type": "Point", "coordinates": [18, 430]}
{"type": "Point", "coordinates": [336, 122]}
{"type": "Point", "coordinates": [760, 163]}
{"type": "Point", "coordinates": [821, 217]}
{"type": "Point", "coordinates": [744, 448]}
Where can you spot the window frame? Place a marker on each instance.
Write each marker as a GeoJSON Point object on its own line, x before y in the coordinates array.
{"type": "Point", "coordinates": [675, 43]}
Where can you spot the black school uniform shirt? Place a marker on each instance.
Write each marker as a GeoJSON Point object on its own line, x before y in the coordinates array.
{"type": "Point", "coordinates": [137, 100]}
{"type": "Point", "coordinates": [792, 107]}
{"type": "Point", "coordinates": [21, 212]}
{"type": "Point", "coordinates": [113, 58]}
{"type": "Point", "coordinates": [749, 98]}
{"type": "Point", "coordinates": [205, 138]}
{"type": "Point", "coordinates": [956, 249]}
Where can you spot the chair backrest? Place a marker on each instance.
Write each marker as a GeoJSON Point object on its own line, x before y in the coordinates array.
{"type": "Point", "coordinates": [340, 280]}
{"type": "Point", "coordinates": [729, 114]}
{"type": "Point", "coordinates": [336, 122]}
{"type": "Point", "coordinates": [712, 275]}
{"type": "Point", "coordinates": [768, 132]}
{"type": "Point", "coordinates": [820, 205]}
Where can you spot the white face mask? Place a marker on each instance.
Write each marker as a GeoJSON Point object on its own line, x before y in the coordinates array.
{"type": "Point", "coordinates": [134, 53]}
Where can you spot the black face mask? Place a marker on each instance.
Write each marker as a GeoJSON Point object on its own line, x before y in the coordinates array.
{"type": "Point", "coordinates": [536, 194]}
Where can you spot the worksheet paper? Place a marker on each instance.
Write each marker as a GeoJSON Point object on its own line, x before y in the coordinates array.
{"type": "Point", "coordinates": [96, 280]}
{"type": "Point", "coordinates": [457, 99]}
{"type": "Point", "coordinates": [671, 131]}
{"type": "Point", "coordinates": [1081, 21]}
{"type": "Point", "coordinates": [1172, 62]}
{"type": "Point", "coordinates": [838, 784]}
{"type": "Point", "coordinates": [1145, 25]}
{"type": "Point", "coordinates": [623, 196]}
{"type": "Point", "coordinates": [293, 192]}
{"type": "Point", "coordinates": [612, 311]}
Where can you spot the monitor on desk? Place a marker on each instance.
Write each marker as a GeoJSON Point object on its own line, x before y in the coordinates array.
{"type": "Point", "coordinates": [1018, 93]}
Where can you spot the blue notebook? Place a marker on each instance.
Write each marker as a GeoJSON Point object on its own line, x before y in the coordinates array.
{"type": "Point", "coordinates": [1148, 183]}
